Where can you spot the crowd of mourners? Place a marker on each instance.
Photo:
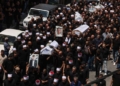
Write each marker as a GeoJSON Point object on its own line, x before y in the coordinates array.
{"type": "Point", "coordinates": [75, 56]}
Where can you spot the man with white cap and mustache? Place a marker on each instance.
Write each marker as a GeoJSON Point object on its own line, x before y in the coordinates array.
{"type": "Point", "coordinates": [9, 81]}
{"type": "Point", "coordinates": [64, 81]}
{"type": "Point", "coordinates": [17, 42]}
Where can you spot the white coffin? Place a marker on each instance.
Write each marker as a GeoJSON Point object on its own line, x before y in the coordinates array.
{"type": "Point", "coordinates": [48, 50]}
{"type": "Point", "coordinates": [80, 29]}
{"type": "Point", "coordinates": [78, 17]}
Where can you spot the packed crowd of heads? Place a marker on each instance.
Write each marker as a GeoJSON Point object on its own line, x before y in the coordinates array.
{"type": "Point", "coordinates": [68, 62]}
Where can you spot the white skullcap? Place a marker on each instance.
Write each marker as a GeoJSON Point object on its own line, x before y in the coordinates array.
{"type": "Point", "coordinates": [25, 78]}
{"type": "Point", "coordinates": [65, 24]}
{"type": "Point", "coordinates": [34, 25]}
{"type": "Point", "coordinates": [38, 38]}
{"type": "Point", "coordinates": [70, 61]}
{"type": "Point", "coordinates": [41, 34]}
{"type": "Point", "coordinates": [64, 77]}
{"type": "Point", "coordinates": [44, 37]}
{"type": "Point", "coordinates": [78, 47]}
{"type": "Point", "coordinates": [24, 46]}
{"type": "Point", "coordinates": [95, 25]}
{"type": "Point", "coordinates": [9, 75]}
{"type": "Point", "coordinates": [14, 49]}
{"type": "Point", "coordinates": [63, 44]}
{"type": "Point", "coordinates": [58, 69]}
{"type": "Point", "coordinates": [36, 50]}
{"type": "Point", "coordinates": [112, 11]}
{"type": "Point", "coordinates": [55, 80]}
{"type": "Point", "coordinates": [58, 16]}
{"type": "Point", "coordinates": [37, 33]}
{"type": "Point", "coordinates": [41, 46]}
{"type": "Point", "coordinates": [63, 18]}
{"type": "Point", "coordinates": [61, 13]}
{"type": "Point", "coordinates": [18, 37]}
{"type": "Point", "coordinates": [26, 31]}
{"type": "Point", "coordinates": [111, 5]}
{"type": "Point", "coordinates": [50, 41]}
{"type": "Point", "coordinates": [59, 8]}
{"type": "Point", "coordinates": [26, 35]}
{"type": "Point", "coordinates": [23, 41]}
{"type": "Point", "coordinates": [30, 33]}
{"type": "Point", "coordinates": [48, 33]}
{"type": "Point", "coordinates": [75, 4]}
{"type": "Point", "coordinates": [90, 4]}
{"type": "Point", "coordinates": [72, 15]}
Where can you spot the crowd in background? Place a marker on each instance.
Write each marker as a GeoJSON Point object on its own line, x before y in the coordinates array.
{"type": "Point", "coordinates": [71, 62]}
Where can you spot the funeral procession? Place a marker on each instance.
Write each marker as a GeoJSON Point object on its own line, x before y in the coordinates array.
{"type": "Point", "coordinates": [59, 42]}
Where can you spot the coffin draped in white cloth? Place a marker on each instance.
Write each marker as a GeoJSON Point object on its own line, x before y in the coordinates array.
{"type": "Point", "coordinates": [78, 17]}
{"type": "Point", "coordinates": [80, 29]}
{"type": "Point", "coordinates": [99, 6]}
{"type": "Point", "coordinates": [48, 50]}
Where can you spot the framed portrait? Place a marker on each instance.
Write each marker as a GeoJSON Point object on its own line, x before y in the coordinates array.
{"type": "Point", "coordinates": [59, 31]}
{"type": "Point", "coordinates": [33, 60]}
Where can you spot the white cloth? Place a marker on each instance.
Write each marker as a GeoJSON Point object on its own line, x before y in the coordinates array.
{"type": "Point", "coordinates": [33, 63]}
{"type": "Point", "coordinates": [68, 40]}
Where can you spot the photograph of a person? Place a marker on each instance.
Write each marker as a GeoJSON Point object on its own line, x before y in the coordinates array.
{"type": "Point", "coordinates": [59, 31]}
{"type": "Point", "coordinates": [33, 61]}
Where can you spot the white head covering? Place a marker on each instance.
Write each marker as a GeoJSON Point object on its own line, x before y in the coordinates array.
{"type": "Point", "coordinates": [14, 49]}
{"type": "Point", "coordinates": [78, 48]}
{"type": "Point", "coordinates": [64, 77]}
{"type": "Point", "coordinates": [18, 37]}
{"type": "Point", "coordinates": [34, 25]}
{"type": "Point", "coordinates": [48, 33]}
{"type": "Point", "coordinates": [42, 46]}
{"type": "Point", "coordinates": [58, 69]}
{"type": "Point", "coordinates": [23, 41]}
{"type": "Point", "coordinates": [38, 38]}
{"type": "Point", "coordinates": [55, 80]}
{"type": "Point", "coordinates": [9, 75]}
{"type": "Point", "coordinates": [36, 50]}
{"type": "Point", "coordinates": [24, 46]}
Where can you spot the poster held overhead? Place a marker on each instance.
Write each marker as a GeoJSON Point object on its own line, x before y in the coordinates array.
{"type": "Point", "coordinates": [33, 60]}
{"type": "Point", "coordinates": [59, 31]}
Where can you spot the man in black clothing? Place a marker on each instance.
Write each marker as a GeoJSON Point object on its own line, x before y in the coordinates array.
{"type": "Point", "coordinates": [9, 81]}
{"type": "Point", "coordinates": [64, 82]}
{"type": "Point", "coordinates": [16, 75]}
{"type": "Point", "coordinates": [102, 82]}
{"type": "Point", "coordinates": [25, 81]}
{"type": "Point", "coordinates": [23, 59]}
{"type": "Point", "coordinates": [115, 79]}
{"type": "Point", "coordinates": [8, 65]}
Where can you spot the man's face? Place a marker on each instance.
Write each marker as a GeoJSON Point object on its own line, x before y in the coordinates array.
{"type": "Point", "coordinates": [59, 31]}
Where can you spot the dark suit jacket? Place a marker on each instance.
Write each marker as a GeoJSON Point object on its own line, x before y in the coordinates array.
{"type": "Point", "coordinates": [35, 63]}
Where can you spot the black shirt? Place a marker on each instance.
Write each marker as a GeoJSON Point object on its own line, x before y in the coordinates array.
{"type": "Point", "coordinates": [101, 83]}
{"type": "Point", "coordinates": [116, 79]}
